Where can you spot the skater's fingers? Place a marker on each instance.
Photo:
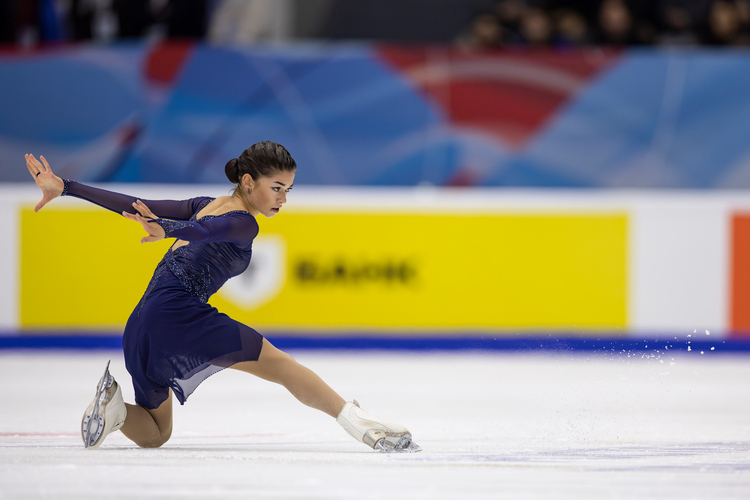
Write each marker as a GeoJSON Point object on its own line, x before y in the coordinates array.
{"type": "Point", "coordinates": [33, 171]}
{"type": "Point", "coordinates": [144, 210]}
{"type": "Point", "coordinates": [155, 231]}
{"type": "Point", "coordinates": [33, 165]}
{"type": "Point", "coordinates": [46, 165]}
{"type": "Point", "coordinates": [143, 222]}
{"type": "Point", "coordinates": [36, 163]}
{"type": "Point", "coordinates": [134, 217]}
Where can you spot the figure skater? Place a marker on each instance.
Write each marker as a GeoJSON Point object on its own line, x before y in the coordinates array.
{"type": "Point", "coordinates": [174, 339]}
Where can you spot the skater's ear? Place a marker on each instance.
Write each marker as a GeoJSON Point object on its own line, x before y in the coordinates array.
{"type": "Point", "coordinates": [247, 182]}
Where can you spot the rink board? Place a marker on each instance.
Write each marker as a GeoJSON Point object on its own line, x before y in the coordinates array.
{"type": "Point", "coordinates": [351, 271]}
{"type": "Point", "coordinates": [408, 263]}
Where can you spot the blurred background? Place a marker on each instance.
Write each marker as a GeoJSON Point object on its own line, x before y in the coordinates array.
{"type": "Point", "coordinates": [495, 174]}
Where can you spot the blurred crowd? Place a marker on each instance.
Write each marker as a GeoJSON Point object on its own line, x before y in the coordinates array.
{"type": "Point", "coordinates": [28, 22]}
{"type": "Point", "coordinates": [615, 23]}
{"type": "Point", "coordinates": [534, 23]}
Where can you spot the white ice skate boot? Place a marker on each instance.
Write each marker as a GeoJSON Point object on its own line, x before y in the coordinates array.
{"type": "Point", "coordinates": [105, 414]}
{"type": "Point", "coordinates": [375, 433]}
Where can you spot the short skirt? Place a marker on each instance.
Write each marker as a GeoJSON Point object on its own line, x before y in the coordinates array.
{"type": "Point", "coordinates": [175, 341]}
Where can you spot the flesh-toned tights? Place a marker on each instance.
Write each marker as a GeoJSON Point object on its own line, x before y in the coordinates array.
{"type": "Point", "coordinates": [152, 428]}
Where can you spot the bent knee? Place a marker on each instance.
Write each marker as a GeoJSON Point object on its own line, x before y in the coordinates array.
{"type": "Point", "coordinates": [154, 441]}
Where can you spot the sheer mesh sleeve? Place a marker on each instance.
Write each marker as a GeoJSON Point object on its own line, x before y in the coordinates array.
{"type": "Point", "coordinates": [170, 209]}
{"type": "Point", "coordinates": [239, 228]}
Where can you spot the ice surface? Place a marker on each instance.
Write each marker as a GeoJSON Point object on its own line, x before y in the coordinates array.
{"type": "Point", "coordinates": [491, 426]}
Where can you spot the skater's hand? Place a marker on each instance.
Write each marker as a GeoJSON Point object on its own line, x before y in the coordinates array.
{"type": "Point", "coordinates": [51, 185]}
{"type": "Point", "coordinates": [146, 218]}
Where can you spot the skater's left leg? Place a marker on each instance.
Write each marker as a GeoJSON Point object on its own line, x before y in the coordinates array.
{"type": "Point", "coordinates": [277, 366]}
{"type": "Point", "coordinates": [149, 428]}
{"type": "Point", "coordinates": [108, 413]}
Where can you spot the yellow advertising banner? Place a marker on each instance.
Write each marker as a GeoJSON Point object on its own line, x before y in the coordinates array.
{"type": "Point", "coordinates": [82, 268]}
{"type": "Point", "coordinates": [338, 272]}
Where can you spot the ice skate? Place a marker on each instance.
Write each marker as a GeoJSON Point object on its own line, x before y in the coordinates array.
{"type": "Point", "coordinates": [105, 414]}
{"type": "Point", "coordinates": [377, 434]}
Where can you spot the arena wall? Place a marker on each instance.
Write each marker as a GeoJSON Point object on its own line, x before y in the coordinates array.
{"type": "Point", "coordinates": [415, 262]}
{"type": "Point", "coordinates": [443, 195]}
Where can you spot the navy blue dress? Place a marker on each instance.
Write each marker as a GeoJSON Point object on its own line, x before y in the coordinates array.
{"type": "Point", "coordinates": [174, 339]}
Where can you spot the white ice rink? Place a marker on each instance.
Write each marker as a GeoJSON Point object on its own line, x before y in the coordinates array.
{"type": "Point", "coordinates": [491, 425]}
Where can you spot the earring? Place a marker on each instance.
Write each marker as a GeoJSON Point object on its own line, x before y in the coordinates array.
{"type": "Point", "coordinates": [248, 190]}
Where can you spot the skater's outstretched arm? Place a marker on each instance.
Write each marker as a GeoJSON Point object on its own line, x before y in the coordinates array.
{"type": "Point", "coordinates": [53, 186]}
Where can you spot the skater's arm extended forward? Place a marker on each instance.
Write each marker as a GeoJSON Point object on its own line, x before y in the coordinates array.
{"type": "Point", "coordinates": [237, 227]}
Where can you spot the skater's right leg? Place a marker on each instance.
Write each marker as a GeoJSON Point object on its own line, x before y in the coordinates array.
{"type": "Point", "coordinates": [279, 367]}
{"type": "Point", "coordinates": [149, 428]}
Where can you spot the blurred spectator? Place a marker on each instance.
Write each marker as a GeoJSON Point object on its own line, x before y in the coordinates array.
{"type": "Point", "coordinates": [678, 21]}
{"type": "Point", "coordinates": [484, 32]}
{"type": "Point", "coordinates": [21, 27]}
{"type": "Point", "coordinates": [32, 22]}
{"type": "Point", "coordinates": [509, 14]}
{"type": "Point", "coordinates": [237, 21]}
{"type": "Point", "coordinates": [743, 8]}
{"type": "Point", "coordinates": [535, 29]}
{"type": "Point", "coordinates": [616, 24]}
{"type": "Point", "coordinates": [678, 26]}
{"type": "Point", "coordinates": [570, 23]}
{"type": "Point", "coordinates": [105, 20]}
{"type": "Point", "coordinates": [533, 23]}
{"type": "Point", "coordinates": [725, 24]}
{"type": "Point", "coordinates": [50, 21]}
{"type": "Point", "coordinates": [572, 29]}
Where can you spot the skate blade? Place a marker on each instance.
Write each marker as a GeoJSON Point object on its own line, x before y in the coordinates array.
{"type": "Point", "coordinates": [92, 425]}
{"type": "Point", "coordinates": [91, 429]}
{"type": "Point", "coordinates": [402, 444]}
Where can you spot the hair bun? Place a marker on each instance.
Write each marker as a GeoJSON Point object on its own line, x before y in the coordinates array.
{"type": "Point", "coordinates": [232, 171]}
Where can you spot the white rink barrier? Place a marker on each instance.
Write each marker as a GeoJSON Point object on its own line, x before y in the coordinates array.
{"type": "Point", "coordinates": [656, 262]}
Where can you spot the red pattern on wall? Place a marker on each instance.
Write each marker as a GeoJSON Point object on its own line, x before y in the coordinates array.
{"type": "Point", "coordinates": [508, 94]}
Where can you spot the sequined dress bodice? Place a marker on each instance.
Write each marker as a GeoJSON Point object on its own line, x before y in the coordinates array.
{"type": "Point", "coordinates": [202, 267]}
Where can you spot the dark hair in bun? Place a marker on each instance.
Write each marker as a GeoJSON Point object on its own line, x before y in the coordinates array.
{"type": "Point", "coordinates": [262, 159]}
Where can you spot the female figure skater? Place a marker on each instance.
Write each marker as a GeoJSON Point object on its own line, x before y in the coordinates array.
{"type": "Point", "coordinates": [174, 340]}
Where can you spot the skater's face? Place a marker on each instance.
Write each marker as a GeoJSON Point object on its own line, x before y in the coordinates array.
{"type": "Point", "coordinates": [268, 194]}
